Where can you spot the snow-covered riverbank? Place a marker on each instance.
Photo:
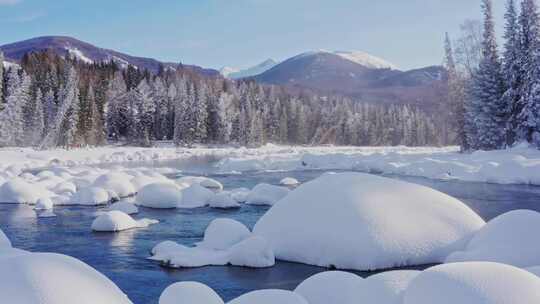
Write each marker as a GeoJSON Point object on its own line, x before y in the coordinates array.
{"type": "Point", "coordinates": [519, 165]}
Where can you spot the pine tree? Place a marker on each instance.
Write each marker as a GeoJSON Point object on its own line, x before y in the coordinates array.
{"type": "Point", "coordinates": [12, 118]}
{"type": "Point", "coordinates": [488, 89]}
{"type": "Point", "coordinates": [1, 77]}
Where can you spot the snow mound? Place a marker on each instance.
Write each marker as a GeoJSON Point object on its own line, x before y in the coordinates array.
{"type": "Point", "coordinates": [223, 233]}
{"type": "Point", "coordinates": [240, 194]}
{"type": "Point", "coordinates": [189, 293]}
{"type": "Point", "coordinates": [289, 181]}
{"type": "Point", "coordinates": [65, 187]}
{"type": "Point", "coordinates": [388, 287]}
{"type": "Point", "coordinates": [370, 222]}
{"type": "Point", "coordinates": [332, 287]}
{"type": "Point", "coordinates": [270, 296]}
{"type": "Point", "coordinates": [265, 194]}
{"type": "Point", "coordinates": [473, 283]}
{"type": "Point", "coordinates": [47, 278]}
{"type": "Point", "coordinates": [91, 196]}
{"type": "Point", "coordinates": [18, 191]}
{"type": "Point", "coordinates": [44, 204]}
{"type": "Point", "coordinates": [223, 200]}
{"type": "Point", "coordinates": [123, 206]}
{"type": "Point", "coordinates": [119, 182]}
{"type": "Point", "coordinates": [114, 221]}
{"type": "Point", "coordinates": [196, 196]}
{"type": "Point", "coordinates": [203, 181]}
{"type": "Point", "coordinates": [140, 182]}
{"type": "Point", "coordinates": [510, 238]}
{"type": "Point", "coordinates": [159, 196]}
{"type": "Point", "coordinates": [252, 252]}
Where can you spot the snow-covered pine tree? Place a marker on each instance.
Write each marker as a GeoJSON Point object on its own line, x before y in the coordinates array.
{"type": "Point", "coordinates": [12, 117]}
{"type": "Point", "coordinates": [146, 108]}
{"type": "Point", "coordinates": [488, 89]}
{"type": "Point", "coordinates": [36, 125]}
{"type": "Point", "coordinates": [115, 120]}
{"type": "Point", "coordinates": [200, 108]}
{"type": "Point", "coordinates": [529, 105]}
{"type": "Point", "coordinates": [1, 77]}
{"type": "Point", "coordinates": [512, 70]}
{"type": "Point", "coordinates": [50, 108]}
{"type": "Point", "coordinates": [69, 94]}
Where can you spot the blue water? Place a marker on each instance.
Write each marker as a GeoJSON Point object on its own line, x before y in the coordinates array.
{"type": "Point", "coordinates": [122, 256]}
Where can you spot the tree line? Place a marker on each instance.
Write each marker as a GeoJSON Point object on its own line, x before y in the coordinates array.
{"type": "Point", "coordinates": [52, 101]}
{"type": "Point", "coordinates": [495, 98]}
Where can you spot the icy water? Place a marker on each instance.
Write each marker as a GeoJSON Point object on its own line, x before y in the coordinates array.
{"type": "Point", "coordinates": [122, 256]}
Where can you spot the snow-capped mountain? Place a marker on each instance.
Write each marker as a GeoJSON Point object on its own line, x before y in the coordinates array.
{"type": "Point", "coordinates": [366, 60]}
{"type": "Point", "coordinates": [88, 53]}
{"type": "Point", "coordinates": [234, 73]}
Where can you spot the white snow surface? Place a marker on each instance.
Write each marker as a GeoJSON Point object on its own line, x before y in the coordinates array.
{"type": "Point", "coordinates": [44, 204]}
{"type": "Point", "coordinates": [47, 278]}
{"type": "Point", "coordinates": [91, 196]}
{"type": "Point", "coordinates": [189, 293]}
{"type": "Point", "coordinates": [289, 181]}
{"type": "Point", "coordinates": [223, 233]}
{"type": "Point", "coordinates": [388, 287]}
{"type": "Point", "coordinates": [79, 55]}
{"type": "Point", "coordinates": [270, 296]}
{"type": "Point", "coordinates": [223, 200]}
{"type": "Point", "coordinates": [473, 283]}
{"type": "Point", "coordinates": [124, 206]}
{"type": "Point", "coordinates": [510, 238]}
{"type": "Point", "coordinates": [206, 182]}
{"type": "Point", "coordinates": [117, 182]}
{"type": "Point", "coordinates": [18, 191]}
{"type": "Point", "coordinates": [381, 222]}
{"type": "Point", "coordinates": [115, 221]}
{"type": "Point", "coordinates": [159, 196]}
{"type": "Point", "coordinates": [332, 287]}
{"type": "Point", "coordinates": [266, 194]}
{"type": "Point", "coordinates": [196, 196]}
{"type": "Point", "coordinates": [366, 60]}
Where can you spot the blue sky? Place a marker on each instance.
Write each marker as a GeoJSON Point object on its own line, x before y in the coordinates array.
{"type": "Point", "coordinates": [215, 33]}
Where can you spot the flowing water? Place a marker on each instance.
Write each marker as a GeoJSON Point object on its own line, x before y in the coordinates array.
{"type": "Point", "coordinates": [122, 256]}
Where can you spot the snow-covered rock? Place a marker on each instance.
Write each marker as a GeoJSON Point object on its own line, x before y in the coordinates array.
{"type": "Point", "coordinates": [265, 194]}
{"type": "Point", "coordinates": [47, 278]}
{"type": "Point", "coordinates": [370, 222]}
{"type": "Point", "coordinates": [252, 252]}
{"type": "Point", "coordinates": [124, 206]}
{"type": "Point", "coordinates": [223, 200]}
{"type": "Point", "coordinates": [473, 283]}
{"type": "Point", "coordinates": [44, 204]}
{"type": "Point", "coordinates": [240, 195]}
{"type": "Point", "coordinates": [119, 182]}
{"type": "Point", "coordinates": [270, 296]}
{"type": "Point", "coordinates": [206, 182]}
{"type": "Point", "coordinates": [189, 293]}
{"type": "Point", "coordinates": [510, 238]}
{"type": "Point", "coordinates": [196, 196]}
{"type": "Point", "coordinates": [223, 233]}
{"type": "Point", "coordinates": [18, 191]}
{"type": "Point", "coordinates": [114, 221]}
{"type": "Point", "coordinates": [289, 181]}
{"type": "Point", "coordinates": [160, 196]}
{"type": "Point", "coordinates": [388, 287]}
{"type": "Point", "coordinates": [140, 182]}
{"type": "Point", "coordinates": [333, 287]}
{"type": "Point", "coordinates": [91, 196]}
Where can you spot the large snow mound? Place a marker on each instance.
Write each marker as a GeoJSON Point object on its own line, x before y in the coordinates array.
{"type": "Point", "coordinates": [223, 200]}
{"type": "Point", "coordinates": [189, 293]}
{"type": "Point", "coordinates": [474, 283]}
{"type": "Point", "coordinates": [124, 206]}
{"type": "Point", "coordinates": [160, 196]}
{"type": "Point", "coordinates": [46, 278]}
{"type": "Point", "coordinates": [270, 296]}
{"type": "Point", "coordinates": [265, 194]}
{"type": "Point", "coordinates": [118, 182]}
{"type": "Point", "coordinates": [18, 191]}
{"type": "Point", "coordinates": [92, 196]}
{"type": "Point", "coordinates": [332, 287]}
{"type": "Point", "coordinates": [388, 287]}
{"type": "Point", "coordinates": [114, 221]}
{"type": "Point", "coordinates": [510, 238]}
{"type": "Point", "coordinates": [196, 196]}
{"type": "Point", "coordinates": [365, 222]}
{"type": "Point", "coordinates": [222, 233]}
{"type": "Point", "coordinates": [253, 252]}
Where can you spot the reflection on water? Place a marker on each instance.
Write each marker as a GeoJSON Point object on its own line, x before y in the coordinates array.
{"type": "Point", "coordinates": [122, 256]}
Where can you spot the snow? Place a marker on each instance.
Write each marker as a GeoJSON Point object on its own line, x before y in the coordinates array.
{"type": "Point", "coordinates": [203, 181]}
{"type": "Point", "coordinates": [534, 270]}
{"type": "Point", "coordinates": [332, 287]}
{"type": "Point", "coordinates": [44, 204]}
{"type": "Point", "coordinates": [196, 196]}
{"type": "Point", "coordinates": [366, 60]}
{"type": "Point", "coordinates": [18, 191]}
{"type": "Point", "coordinates": [240, 194]}
{"type": "Point", "coordinates": [118, 182]}
{"type": "Point", "coordinates": [189, 293]}
{"type": "Point", "coordinates": [92, 196]}
{"type": "Point", "coordinates": [265, 194]}
{"type": "Point", "coordinates": [234, 73]}
{"type": "Point", "coordinates": [289, 181]}
{"type": "Point", "coordinates": [124, 206]}
{"type": "Point", "coordinates": [4, 241]}
{"type": "Point", "coordinates": [79, 55]}
{"type": "Point", "coordinates": [270, 296]}
{"type": "Point", "coordinates": [222, 233]}
{"type": "Point", "coordinates": [159, 196]}
{"type": "Point", "coordinates": [382, 222]}
{"type": "Point", "coordinates": [114, 221]}
{"type": "Point", "coordinates": [226, 242]}
{"type": "Point", "coordinates": [8, 65]}
{"type": "Point", "coordinates": [473, 283]}
{"type": "Point", "coordinates": [141, 181]}
{"type": "Point", "coordinates": [47, 278]}
{"type": "Point", "coordinates": [223, 200]}
{"type": "Point", "coordinates": [510, 238]}
{"type": "Point", "coordinates": [388, 287]}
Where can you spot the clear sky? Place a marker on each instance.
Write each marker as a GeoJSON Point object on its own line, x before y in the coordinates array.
{"type": "Point", "coordinates": [240, 33]}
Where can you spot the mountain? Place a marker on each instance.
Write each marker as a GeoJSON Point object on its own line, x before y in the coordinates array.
{"type": "Point", "coordinates": [86, 52]}
{"type": "Point", "coordinates": [358, 75]}
{"type": "Point", "coordinates": [234, 73]}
